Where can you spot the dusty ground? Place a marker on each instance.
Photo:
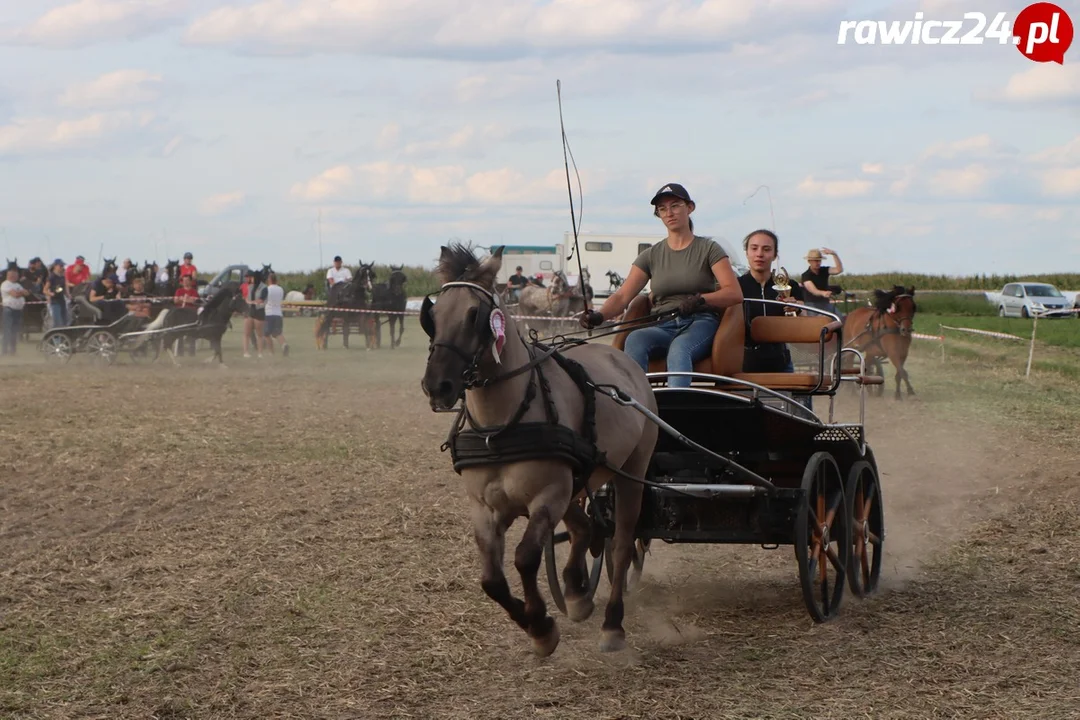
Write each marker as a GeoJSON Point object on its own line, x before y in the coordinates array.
{"type": "Point", "coordinates": [284, 539]}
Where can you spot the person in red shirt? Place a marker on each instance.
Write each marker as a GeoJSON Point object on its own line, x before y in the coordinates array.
{"type": "Point", "coordinates": [76, 274]}
{"type": "Point", "coordinates": [185, 298]}
{"type": "Point", "coordinates": [188, 268]}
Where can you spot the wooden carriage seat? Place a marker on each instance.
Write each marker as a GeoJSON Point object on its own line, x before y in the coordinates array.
{"type": "Point", "coordinates": [727, 348]}
{"type": "Point", "coordinates": [726, 357]}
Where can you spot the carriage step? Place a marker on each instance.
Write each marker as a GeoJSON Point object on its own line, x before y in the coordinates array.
{"type": "Point", "coordinates": [711, 490]}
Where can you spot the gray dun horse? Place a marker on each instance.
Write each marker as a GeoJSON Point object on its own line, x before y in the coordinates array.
{"type": "Point", "coordinates": [538, 437]}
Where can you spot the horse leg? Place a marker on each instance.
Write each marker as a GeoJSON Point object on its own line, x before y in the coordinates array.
{"type": "Point", "coordinates": [544, 512]}
{"type": "Point", "coordinates": [489, 530]}
{"type": "Point", "coordinates": [628, 496]}
{"type": "Point", "coordinates": [578, 605]}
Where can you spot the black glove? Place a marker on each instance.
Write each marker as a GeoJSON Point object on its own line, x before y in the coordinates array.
{"type": "Point", "coordinates": [691, 305]}
{"type": "Point", "coordinates": [589, 320]}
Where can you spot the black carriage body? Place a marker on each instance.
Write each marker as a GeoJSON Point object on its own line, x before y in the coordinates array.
{"type": "Point", "coordinates": [764, 437]}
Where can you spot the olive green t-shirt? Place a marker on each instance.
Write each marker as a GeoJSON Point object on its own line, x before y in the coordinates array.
{"type": "Point", "coordinates": [678, 274]}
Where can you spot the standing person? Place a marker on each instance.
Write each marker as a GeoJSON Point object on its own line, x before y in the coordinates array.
{"type": "Point", "coordinates": [13, 298]}
{"type": "Point", "coordinates": [516, 282]}
{"type": "Point", "coordinates": [185, 298]}
{"type": "Point", "coordinates": [690, 274]}
{"type": "Point", "coordinates": [815, 281]}
{"type": "Point", "coordinates": [256, 315]}
{"type": "Point", "coordinates": [274, 294]}
{"type": "Point", "coordinates": [56, 290]}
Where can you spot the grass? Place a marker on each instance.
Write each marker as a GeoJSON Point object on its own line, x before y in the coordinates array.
{"type": "Point", "coordinates": [1059, 332]}
{"type": "Point", "coordinates": [284, 539]}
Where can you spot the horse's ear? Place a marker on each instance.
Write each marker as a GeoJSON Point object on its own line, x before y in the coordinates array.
{"type": "Point", "coordinates": [912, 291]}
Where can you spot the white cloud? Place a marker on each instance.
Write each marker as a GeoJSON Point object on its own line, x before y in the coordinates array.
{"type": "Point", "coordinates": [873, 168]}
{"type": "Point", "coordinates": [121, 88]}
{"type": "Point", "coordinates": [834, 189]}
{"type": "Point", "coordinates": [44, 135]}
{"type": "Point", "coordinates": [472, 27]}
{"type": "Point", "coordinates": [388, 137]}
{"type": "Point", "coordinates": [965, 182]}
{"type": "Point", "coordinates": [1061, 181]}
{"type": "Point", "coordinates": [1043, 82]}
{"type": "Point", "coordinates": [89, 21]}
{"type": "Point", "coordinates": [222, 203]}
{"type": "Point", "coordinates": [392, 182]}
{"type": "Point", "coordinates": [325, 185]}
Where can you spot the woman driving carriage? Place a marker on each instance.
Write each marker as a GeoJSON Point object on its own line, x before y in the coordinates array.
{"type": "Point", "coordinates": [690, 274]}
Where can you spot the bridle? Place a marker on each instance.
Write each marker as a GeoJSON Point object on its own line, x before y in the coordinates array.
{"type": "Point", "coordinates": [472, 375]}
{"type": "Point", "coordinates": [904, 325]}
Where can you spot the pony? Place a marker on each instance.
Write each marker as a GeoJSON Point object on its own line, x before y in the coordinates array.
{"type": "Point", "coordinates": [390, 297]}
{"type": "Point", "coordinates": [352, 295]}
{"type": "Point", "coordinates": [507, 388]}
{"type": "Point", "coordinates": [211, 321]}
{"type": "Point", "coordinates": [883, 330]}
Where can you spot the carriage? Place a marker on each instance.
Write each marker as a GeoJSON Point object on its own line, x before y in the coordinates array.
{"type": "Point", "coordinates": [740, 459]}
{"type": "Point", "coordinates": [101, 340]}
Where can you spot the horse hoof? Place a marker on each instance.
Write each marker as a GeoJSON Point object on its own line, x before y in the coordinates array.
{"type": "Point", "coordinates": [612, 640]}
{"type": "Point", "coordinates": [579, 609]}
{"type": "Point", "coordinates": [544, 646]}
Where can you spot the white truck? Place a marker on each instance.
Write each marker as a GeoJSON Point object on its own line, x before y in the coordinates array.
{"type": "Point", "coordinates": [544, 260]}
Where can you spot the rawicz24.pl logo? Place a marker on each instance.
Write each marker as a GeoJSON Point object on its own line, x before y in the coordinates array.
{"type": "Point", "coordinates": [1041, 32]}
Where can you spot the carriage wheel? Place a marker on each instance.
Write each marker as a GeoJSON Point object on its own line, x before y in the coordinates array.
{"type": "Point", "coordinates": [823, 537]}
{"type": "Point", "coordinates": [57, 347]}
{"type": "Point", "coordinates": [867, 528]}
{"type": "Point", "coordinates": [637, 562]}
{"type": "Point", "coordinates": [555, 566]}
{"type": "Point", "coordinates": [102, 347]}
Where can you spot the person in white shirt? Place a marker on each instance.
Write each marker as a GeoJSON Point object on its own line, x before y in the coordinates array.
{"type": "Point", "coordinates": [273, 294]}
{"type": "Point", "coordinates": [337, 274]}
{"type": "Point", "coordinates": [13, 297]}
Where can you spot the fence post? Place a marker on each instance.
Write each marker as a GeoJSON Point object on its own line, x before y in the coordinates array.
{"type": "Point", "coordinates": [1031, 350]}
{"type": "Point", "coordinates": [941, 334]}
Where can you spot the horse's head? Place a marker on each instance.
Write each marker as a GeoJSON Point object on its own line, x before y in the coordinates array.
{"type": "Point", "coordinates": [12, 264]}
{"type": "Point", "coordinates": [397, 277]}
{"type": "Point", "coordinates": [266, 270]}
{"type": "Point", "coordinates": [899, 304]}
{"type": "Point", "coordinates": [460, 325]}
{"type": "Point", "coordinates": [109, 267]}
{"type": "Point", "coordinates": [365, 275]}
{"type": "Point", "coordinates": [559, 284]}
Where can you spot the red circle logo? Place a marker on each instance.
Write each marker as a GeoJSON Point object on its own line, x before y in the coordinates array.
{"type": "Point", "coordinates": [1043, 32]}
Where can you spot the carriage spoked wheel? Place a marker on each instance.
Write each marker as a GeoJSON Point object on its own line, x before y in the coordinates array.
{"type": "Point", "coordinates": [102, 347]}
{"type": "Point", "coordinates": [57, 348]}
{"type": "Point", "coordinates": [823, 537]}
{"type": "Point", "coordinates": [556, 553]}
{"type": "Point", "coordinates": [637, 562]}
{"type": "Point", "coordinates": [867, 528]}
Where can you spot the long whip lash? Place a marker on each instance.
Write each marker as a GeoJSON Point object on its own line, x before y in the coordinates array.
{"type": "Point", "coordinates": [574, 223]}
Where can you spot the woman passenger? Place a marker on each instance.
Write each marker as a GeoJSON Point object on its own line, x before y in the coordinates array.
{"type": "Point", "coordinates": [690, 274]}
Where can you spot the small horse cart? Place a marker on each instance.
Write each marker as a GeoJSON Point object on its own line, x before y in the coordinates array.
{"type": "Point", "coordinates": [740, 459]}
{"type": "Point", "coordinates": [102, 341]}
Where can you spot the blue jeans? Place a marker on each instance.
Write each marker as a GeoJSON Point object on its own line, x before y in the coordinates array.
{"type": "Point", "coordinates": [12, 325]}
{"type": "Point", "coordinates": [59, 311]}
{"type": "Point", "coordinates": [685, 341]}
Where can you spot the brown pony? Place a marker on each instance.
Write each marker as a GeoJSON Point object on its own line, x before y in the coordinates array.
{"type": "Point", "coordinates": [884, 330]}
{"type": "Point", "coordinates": [539, 435]}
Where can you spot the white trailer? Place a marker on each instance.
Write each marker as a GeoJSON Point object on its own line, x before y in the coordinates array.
{"type": "Point", "coordinates": [533, 260]}
{"type": "Point", "coordinates": [604, 253]}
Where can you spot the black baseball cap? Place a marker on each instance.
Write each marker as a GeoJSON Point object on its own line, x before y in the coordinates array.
{"type": "Point", "coordinates": [337, 258]}
{"type": "Point", "coordinates": [673, 189]}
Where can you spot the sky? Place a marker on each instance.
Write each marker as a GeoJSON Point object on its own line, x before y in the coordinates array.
{"type": "Point", "coordinates": [239, 130]}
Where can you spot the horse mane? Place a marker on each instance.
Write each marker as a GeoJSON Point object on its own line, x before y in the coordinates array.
{"type": "Point", "coordinates": [459, 262]}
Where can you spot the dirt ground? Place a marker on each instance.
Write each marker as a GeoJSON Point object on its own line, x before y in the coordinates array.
{"type": "Point", "coordinates": [283, 538]}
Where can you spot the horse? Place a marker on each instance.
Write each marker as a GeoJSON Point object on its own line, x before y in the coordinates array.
{"type": "Point", "coordinates": [552, 301]}
{"type": "Point", "coordinates": [510, 471]}
{"type": "Point", "coordinates": [614, 281]}
{"type": "Point", "coordinates": [211, 321]}
{"type": "Point", "coordinates": [390, 297]}
{"type": "Point", "coordinates": [351, 295]}
{"type": "Point", "coordinates": [884, 330]}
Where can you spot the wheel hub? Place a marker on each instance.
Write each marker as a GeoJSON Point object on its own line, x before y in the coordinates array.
{"type": "Point", "coordinates": [865, 531]}
{"type": "Point", "coordinates": [824, 536]}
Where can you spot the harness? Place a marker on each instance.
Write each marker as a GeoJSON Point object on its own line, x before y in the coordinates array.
{"type": "Point", "coordinates": [877, 332]}
{"type": "Point", "coordinates": [477, 446]}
